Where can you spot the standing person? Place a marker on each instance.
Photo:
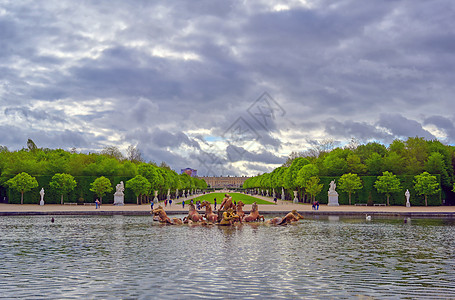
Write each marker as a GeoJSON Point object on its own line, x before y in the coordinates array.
{"type": "Point", "coordinates": [170, 202]}
{"type": "Point", "coordinates": [275, 199]}
{"type": "Point", "coordinates": [97, 203]}
{"type": "Point", "coordinates": [183, 204]}
{"type": "Point", "coordinates": [214, 202]}
{"type": "Point", "coordinates": [151, 204]}
{"type": "Point", "coordinates": [317, 205]}
{"type": "Point", "coordinates": [165, 203]}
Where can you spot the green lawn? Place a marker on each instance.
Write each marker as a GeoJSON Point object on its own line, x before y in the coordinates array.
{"type": "Point", "coordinates": [247, 199]}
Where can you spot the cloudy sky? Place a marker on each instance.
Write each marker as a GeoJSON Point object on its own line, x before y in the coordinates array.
{"type": "Point", "coordinates": [225, 87]}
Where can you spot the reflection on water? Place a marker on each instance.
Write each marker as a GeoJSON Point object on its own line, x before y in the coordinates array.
{"type": "Point", "coordinates": [132, 257]}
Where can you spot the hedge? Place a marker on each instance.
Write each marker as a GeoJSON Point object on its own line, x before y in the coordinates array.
{"type": "Point", "coordinates": [82, 190]}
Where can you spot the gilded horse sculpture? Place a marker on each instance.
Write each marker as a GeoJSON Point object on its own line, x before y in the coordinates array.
{"type": "Point", "coordinates": [163, 218]}
{"type": "Point", "coordinates": [254, 214]}
{"type": "Point", "coordinates": [239, 209]}
{"type": "Point", "coordinates": [229, 217]}
{"type": "Point", "coordinates": [292, 216]}
{"type": "Point", "coordinates": [193, 215]}
{"type": "Point", "coordinates": [227, 203]}
{"type": "Point", "coordinates": [209, 214]}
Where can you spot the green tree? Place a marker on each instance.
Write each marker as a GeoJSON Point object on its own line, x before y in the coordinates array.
{"type": "Point", "coordinates": [387, 184]}
{"type": "Point", "coordinates": [101, 186]}
{"type": "Point", "coordinates": [436, 165]}
{"type": "Point", "coordinates": [335, 162]}
{"type": "Point", "coordinates": [22, 183]}
{"type": "Point", "coordinates": [313, 187]}
{"type": "Point", "coordinates": [426, 184]}
{"type": "Point", "coordinates": [355, 165]}
{"type": "Point", "coordinates": [304, 175]}
{"type": "Point", "coordinates": [375, 164]}
{"type": "Point", "coordinates": [291, 172]}
{"type": "Point", "coordinates": [139, 185]}
{"type": "Point", "coordinates": [62, 184]}
{"type": "Point", "coordinates": [350, 183]}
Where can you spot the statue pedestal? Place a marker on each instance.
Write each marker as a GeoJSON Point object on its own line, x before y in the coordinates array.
{"type": "Point", "coordinates": [41, 202]}
{"type": "Point", "coordinates": [119, 199]}
{"type": "Point", "coordinates": [333, 199]}
{"type": "Point", "coordinates": [408, 204]}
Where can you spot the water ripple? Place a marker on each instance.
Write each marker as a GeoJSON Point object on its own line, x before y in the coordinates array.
{"type": "Point", "coordinates": [133, 257]}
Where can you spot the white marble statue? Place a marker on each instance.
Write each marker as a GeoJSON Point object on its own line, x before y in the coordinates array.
{"type": "Point", "coordinates": [155, 199]}
{"type": "Point", "coordinates": [119, 196]}
{"type": "Point", "coordinates": [42, 196]}
{"type": "Point", "coordinates": [333, 195]}
{"type": "Point", "coordinates": [282, 194]}
{"type": "Point", "coordinates": [267, 193]}
{"type": "Point", "coordinates": [407, 194]}
{"type": "Point", "coordinates": [333, 186]}
{"type": "Point", "coordinates": [168, 194]}
{"type": "Point", "coordinates": [273, 194]}
{"type": "Point", "coordinates": [296, 199]}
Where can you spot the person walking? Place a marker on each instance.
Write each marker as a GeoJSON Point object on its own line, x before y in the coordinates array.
{"type": "Point", "coordinates": [151, 204]}
{"type": "Point", "coordinates": [183, 204]}
{"type": "Point", "coordinates": [170, 202]}
{"type": "Point", "coordinates": [97, 203]}
{"type": "Point", "coordinates": [275, 199]}
{"type": "Point", "coordinates": [214, 202]}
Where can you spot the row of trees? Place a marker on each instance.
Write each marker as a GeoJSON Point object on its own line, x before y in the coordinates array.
{"type": "Point", "coordinates": [415, 157]}
{"type": "Point", "coordinates": [66, 167]}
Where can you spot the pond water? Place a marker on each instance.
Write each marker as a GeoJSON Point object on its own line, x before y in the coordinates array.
{"type": "Point", "coordinates": [116, 257]}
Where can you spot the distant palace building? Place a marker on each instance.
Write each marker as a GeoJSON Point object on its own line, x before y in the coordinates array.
{"type": "Point", "coordinates": [225, 182]}
{"type": "Point", "coordinates": [189, 171]}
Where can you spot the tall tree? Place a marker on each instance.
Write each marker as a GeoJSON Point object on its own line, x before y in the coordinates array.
{"type": "Point", "coordinates": [62, 184]}
{"type": "Point", "coordinates": [139, 185]}
{"type": "Point", "coordinates": [387, 184]}
{"type": "Point", "coordinates": [313, 187]}
{"type": "Point", "coordinates": [350, 183]}
{"type": "Point", "coordinates": [426, 184]}
{"type": "Point", "coordinates": [101, 186]}
{"type": "Point", "coordinates": [436, 165]}
{"type": "Point", "coordinates": [22, 183]}
{"type": "Point", "coordinates": [113, 152]}
{"type": "Point", "coordinates": [375, 164]}
{"type": "Point", "coordinates": [134, 154]}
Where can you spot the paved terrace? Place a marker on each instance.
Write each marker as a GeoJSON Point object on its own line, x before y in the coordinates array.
{"type": "Point", "coordinates": [282, 207]}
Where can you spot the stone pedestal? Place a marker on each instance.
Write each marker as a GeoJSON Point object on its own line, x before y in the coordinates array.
{"type": "Point", "coordinates": [333, 199]}
{"type": "Point", "coordinates": [41, 202]}
{"type": "Point", "coordinates": [296, 199]}
{"type": "Point", "coordinates": [119, 199]}
{"type": "Point", "coordinates": [408, 204]}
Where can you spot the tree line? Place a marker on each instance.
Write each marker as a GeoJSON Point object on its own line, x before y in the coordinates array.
{"type": "Point", "coordinates": [18, 170]}
{"type": "Point", "coordinates": [430, 162]}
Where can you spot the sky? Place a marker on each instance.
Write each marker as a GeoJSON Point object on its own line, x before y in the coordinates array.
{"type": "Point", "coordinates": [224, 87]}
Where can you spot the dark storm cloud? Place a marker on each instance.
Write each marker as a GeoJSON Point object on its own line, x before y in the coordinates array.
{"type": "Point", "coordinates": [157, 71]}
{"type": "Point", "coordinates": [32, 115]}
{"type": "Point", "coordinates": [235, 153]}
{"type": "Point", "coordinates": [359, 130]}
{"type": "Point", "coordinates": [402, 127]}
{"type": "Point", "coordinates": [163, 139]}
